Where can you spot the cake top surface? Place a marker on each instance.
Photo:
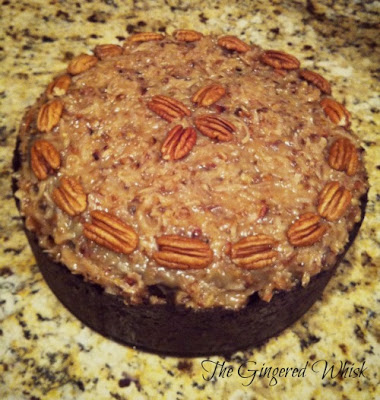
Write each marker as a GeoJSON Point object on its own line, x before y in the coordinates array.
{"type": "Point", "coordinates": [194, 165]}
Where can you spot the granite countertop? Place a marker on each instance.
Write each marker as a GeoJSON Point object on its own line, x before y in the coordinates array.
{"type": "Point", "coordinates": [46, 353]}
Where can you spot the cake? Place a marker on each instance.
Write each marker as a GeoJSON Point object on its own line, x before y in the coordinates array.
{"type": "Point", "coordinates": [188, 194]}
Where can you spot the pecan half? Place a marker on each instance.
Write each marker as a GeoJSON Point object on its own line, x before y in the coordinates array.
{"type": "Point", "coordinates": [178, 143]}
{"type": "Point", "coordinates": [109, 231]}
{"type": "Point", "coordinates": [333, 201]}
{"type": "Point", "coordinates": [317, 80]}
{"type": "Point", "coordinates": [337, 113]}
{"type": "Point", "coordinates": [103, 51]}
{"type": "Point", "coordinates": [59, 86]}
{"type": "Point", "coordinates": [44, 159]}
{"type": "Point", "coordinates": [145, 37]}
{"type": "Point", "coordinates": [187, 35]}
{"type": "Point", "coordinates": [279, 60]}
{"type": "Point", "coordinates": [306, 231]}
{"type": "Point", "coordinates": [70, 196]}
{"type": "Point", "coordinates": [168, 108]}
{"type": "Point", "coordinates": [343, 156]}
{"type": "Point", "coordinates": [81, 63]}
{"type": "Point", "coordinates": [254, 252]}
{"type": "Point", "coordinates": [49, 115]}
{"type": "Point", "coordinates": [233, 43]}
{"type": "Point", "coordinates": [208, 95]}
{"type": "Point", "coordinates": [215, 127]}
{"type": "Point", "coordinates": [182, 253]}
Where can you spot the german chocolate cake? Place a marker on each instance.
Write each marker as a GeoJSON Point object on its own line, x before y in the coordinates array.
{"type": "Point", "coordinates": [188, 194]}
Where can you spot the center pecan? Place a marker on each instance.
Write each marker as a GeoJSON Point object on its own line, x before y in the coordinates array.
{"type": "Point", "coordinates": [180, 140]}
{"type": "Point", "coordinates": [208, 95]}
{"type": "Point", "coordinates": [178, 143]}
{"type": "Point", "coordinates": [215, 127]}
{"type": "Point", "coordinates": [168, 108]}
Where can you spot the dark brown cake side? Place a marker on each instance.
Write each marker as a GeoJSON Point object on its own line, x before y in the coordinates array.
{"type": "Point", "coordinates": [190, 332]}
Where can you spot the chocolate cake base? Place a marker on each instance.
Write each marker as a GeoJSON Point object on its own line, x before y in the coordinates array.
{"type": "Point", "coordinates": [176, 330]}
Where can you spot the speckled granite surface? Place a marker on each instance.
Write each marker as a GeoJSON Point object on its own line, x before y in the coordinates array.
{"type": "Point", "coordinates": [45, 353]}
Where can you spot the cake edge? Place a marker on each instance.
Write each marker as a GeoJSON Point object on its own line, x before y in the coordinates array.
{"type": "Point", "coordinates": [191, 332]}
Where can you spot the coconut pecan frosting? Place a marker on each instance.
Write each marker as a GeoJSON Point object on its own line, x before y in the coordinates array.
{"type": "Point", "coordinates": [201, 165]}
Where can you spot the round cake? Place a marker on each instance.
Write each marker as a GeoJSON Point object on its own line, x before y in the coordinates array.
{"type": "Point", "coordinates": [188, 194]}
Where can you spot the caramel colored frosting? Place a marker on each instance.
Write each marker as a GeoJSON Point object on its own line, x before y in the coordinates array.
{"type": "Point", "coordinates": [202, 166]}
